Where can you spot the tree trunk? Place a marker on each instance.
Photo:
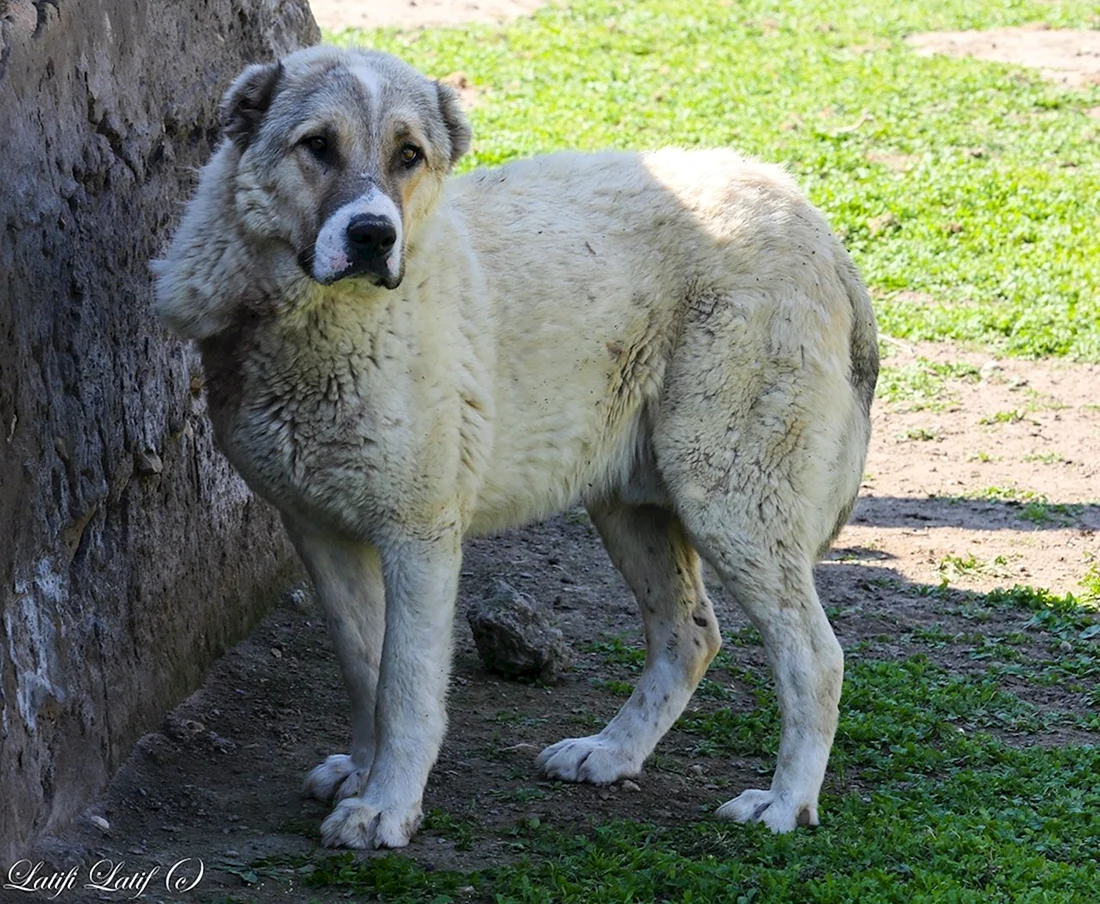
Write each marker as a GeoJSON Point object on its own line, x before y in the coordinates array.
{"type": "Point", "coordinates": [130, 555]}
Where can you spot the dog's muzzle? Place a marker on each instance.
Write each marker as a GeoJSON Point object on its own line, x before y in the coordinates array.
{"type": "Point", "coordinates": [362, 238]}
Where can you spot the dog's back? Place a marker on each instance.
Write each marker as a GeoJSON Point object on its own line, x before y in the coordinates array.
{"type": "Point", "coordinates": [607, 274]}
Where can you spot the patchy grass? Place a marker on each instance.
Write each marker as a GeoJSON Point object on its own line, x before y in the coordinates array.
{"type": "Point", "coordinates": [462, 832]}
{"type": "Point", "coordinates": [1042, 512]}
{"type": "Point", "coordinates": [1002, 417]}
{"type": "Point", "coordinates": [951, 566]}
{"type": "Point", "coordinates": [1010, 494]}
{"type": "Point", "coordinates": [1090, 584]}
{"type": "Point", "coordinates": [1045, 458]}
{"type": "Point", "coordinates": [887, 854]}
{"type": "Point", "coordinates": [1066, 610]}
{"type": "Point", "coordinates": [986, 235]}
{"type": "Point", "coordinates": [923, 385]}
{"type": "Point", "coordinates": [916, 435]}
{"type": "Point", "coordinates": [942, 785]}
{"type": "Point", "coordinates": [1030, 505]}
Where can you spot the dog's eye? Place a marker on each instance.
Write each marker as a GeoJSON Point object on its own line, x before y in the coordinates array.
{"type": "Point", "coordinates": [411, 155]}
{"type": "Point", "coordinates": [317, 145]}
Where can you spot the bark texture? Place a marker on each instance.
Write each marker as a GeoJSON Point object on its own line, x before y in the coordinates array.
{"type": "Point", "coordinates": [130, 555]}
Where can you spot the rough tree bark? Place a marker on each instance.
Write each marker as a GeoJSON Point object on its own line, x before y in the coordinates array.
{"type": "Point", "coordinates": [130, 556]}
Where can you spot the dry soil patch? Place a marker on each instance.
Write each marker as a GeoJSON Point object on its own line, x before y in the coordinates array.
{"type": "Point", "coordinates": [1064, 55]}
{"type": "Point", "coordinates": [991, 481]}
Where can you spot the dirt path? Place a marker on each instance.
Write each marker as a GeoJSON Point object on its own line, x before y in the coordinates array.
{"type": "Point", "coordinates": [981, 474]}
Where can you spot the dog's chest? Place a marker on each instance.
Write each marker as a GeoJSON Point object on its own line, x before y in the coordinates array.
{"type": "Point", "coordinates": [313, 434]}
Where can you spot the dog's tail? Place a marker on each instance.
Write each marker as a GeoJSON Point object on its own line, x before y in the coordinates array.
{"type": "Point", "coordinates": [864, 337]}
{"type": "Point", "coordinates": [863, 348]}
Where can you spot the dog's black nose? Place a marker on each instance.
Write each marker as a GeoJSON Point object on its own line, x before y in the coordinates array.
{"type": "Point", "coordinates": [371, 234]}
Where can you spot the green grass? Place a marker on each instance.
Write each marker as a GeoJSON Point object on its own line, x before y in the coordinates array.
{"type": "Point", "coordinates": [951, 566]}
{"type": "Point", "coordinates": [1065, 610]}
{"type": "Point", "coordinates": [1010, 494]}
{"type": "Point", "coordinates": [887, 855]}
{"type": "Point", "coordinates": [992, 824]}
{"type": "Point", "coordinates": [1090, 584]}
{"type": "Point", "coordinates": [1030, 505]}
{"type": "Point", "coordinates": [1045, 458]}
{"type": "Point", "coordinates": [1002, 417]}
{"type": "Point", "coordinates": [986, 234]}
{"type": "Point", "coordinates": [916, 435]}
{"type": "Point", "coordinates": [461, 832]}
{"type": "Point", "coordinates": [1062, 513]}
{"type": "Point", "coordinates": [937, 790]}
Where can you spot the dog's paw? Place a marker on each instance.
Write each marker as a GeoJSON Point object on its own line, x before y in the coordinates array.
{"type": "Point", "coordinates": [777, 811]}
{"type": "Point", "coordinates": [590, 759]}
{"type": "Point", "coordinates": [336, 778]}
{"type": "Point", "coordinates": [359, 823]}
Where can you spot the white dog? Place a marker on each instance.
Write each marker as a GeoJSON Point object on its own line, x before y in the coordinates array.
{"type": "Point", "coordinates": [396, 360]}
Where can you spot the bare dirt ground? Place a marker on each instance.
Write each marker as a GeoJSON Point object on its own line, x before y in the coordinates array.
{"type": "Point", "coordinates": [337, 14]}
{"type": "Point", "coordinates": [988, 478]}
{"type": "Point", "coordinates": [1064, 55]}
{"type": "Point", "coordinates": [998, 465]}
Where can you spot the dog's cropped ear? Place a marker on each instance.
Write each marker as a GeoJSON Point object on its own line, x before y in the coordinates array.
{"type": "Point", "coordinates": [458, 128]}
{"type": "Point", "coordinates": [246, 102]}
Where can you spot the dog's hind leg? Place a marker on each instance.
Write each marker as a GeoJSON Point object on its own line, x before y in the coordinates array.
{"type": "Point", "coordinates": [759, 445]}
{"type": "Point", "coordinates": [348, 579]}
{"type": "Point", "coordinates": [771, 577]}
{"type": "Point", "coordinates": [650, 548]}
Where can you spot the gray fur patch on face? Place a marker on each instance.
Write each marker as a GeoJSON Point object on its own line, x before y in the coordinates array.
{"type": "Point", "coordinates": [332, 257]}
{"type": "Point", "coordinates": [365, 91]}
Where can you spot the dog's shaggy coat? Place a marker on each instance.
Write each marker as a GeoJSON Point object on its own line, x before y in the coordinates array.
{"type": "Point", "coordinates": [396, 359]}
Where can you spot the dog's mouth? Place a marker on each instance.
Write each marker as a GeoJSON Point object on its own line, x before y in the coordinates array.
{"type": "Point", "coordinates": [362, 239]}
{"type": "Point", "coordinates": [374, 268]}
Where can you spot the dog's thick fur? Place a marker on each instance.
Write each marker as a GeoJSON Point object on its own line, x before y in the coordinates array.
{"type": "Point", "coordinates": [674, 339]}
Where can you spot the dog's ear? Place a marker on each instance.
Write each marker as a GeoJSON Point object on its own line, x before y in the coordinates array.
{"type": "Point", "coordinates": [458, 128]}
{"type": "Point", "coordinates": [246, 102]}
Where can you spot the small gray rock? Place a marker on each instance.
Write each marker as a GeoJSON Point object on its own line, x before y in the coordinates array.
{"type": "Point", "coordinates": [515, 638]}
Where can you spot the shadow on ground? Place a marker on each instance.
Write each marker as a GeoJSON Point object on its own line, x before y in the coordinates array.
{"type": "Point", "coordinates": [968, 513]}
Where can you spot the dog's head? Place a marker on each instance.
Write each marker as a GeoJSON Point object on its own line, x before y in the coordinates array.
{"type": "Point", "coordinates": [342, 154]}
{"type": "Point", "coordinates": [331, 160]}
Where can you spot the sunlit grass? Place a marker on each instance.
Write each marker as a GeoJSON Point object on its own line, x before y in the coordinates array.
{"type": "Point", "coordinates": [969, 192]}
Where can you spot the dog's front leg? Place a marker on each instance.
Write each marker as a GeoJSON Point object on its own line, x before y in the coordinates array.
{"type": "Point", "coordinates": [421, 578]}
{"type": "Point", "coordinates": [347, 576]}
